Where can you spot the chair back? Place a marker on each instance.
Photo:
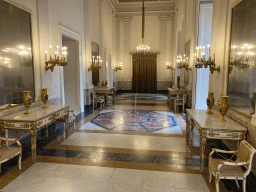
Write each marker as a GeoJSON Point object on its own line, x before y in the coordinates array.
{"type": "Point", "coordinates": [245, 154]}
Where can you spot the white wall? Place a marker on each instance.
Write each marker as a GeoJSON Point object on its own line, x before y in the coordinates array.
{"type": "Point", "coordinates": [158, 35]}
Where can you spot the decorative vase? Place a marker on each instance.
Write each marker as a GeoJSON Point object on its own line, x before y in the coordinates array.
{"type": "Point", "coordinates": [210, 102]}
{"type": "Point", "coordinates": [106, 83]}
{"type": "Point", "coordinates": [103, 84]}
{"type": "Point", "coordinates": [27, 99]}
{"type": "Point", "coordinates": [223, 108]}
{"type": "Point", "coordinates": [44, 97]}
{"type": "Point", "coordinates": [253, 99]}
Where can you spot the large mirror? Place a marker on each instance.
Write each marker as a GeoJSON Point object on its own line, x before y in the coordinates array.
{"type": "Point", "coordinates": [95, 71]}
{"type": "Point", "coordinates": [16, 63]}
{"type": "Point", "coordinates": [186, 73]}
{"type": "Point", "coordinates": [242, 69]}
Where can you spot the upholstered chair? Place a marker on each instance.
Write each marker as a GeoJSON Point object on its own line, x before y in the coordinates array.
{"type": "Point", "coordinates": [230, 169]}
{"type": "Point", "coordinates": [9, 152]}
{"type": "Point", "coordinates": [180, 100]}
{"type": "Point", "coordinates": [71, 118]}
{"type": "Point", "coordinates": [97, 99]}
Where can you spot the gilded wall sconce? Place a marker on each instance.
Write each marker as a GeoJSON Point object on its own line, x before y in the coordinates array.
{"type": "Point", "coordinates": [202, 62]}
{"type": "Point", "coordinates": [96, 63]}
{"type": "Point", "coordinates": [169, 66]}
{"type": "Point", "coordinates": [183, 63]}
{"type": "Point", "coordinates": [119, 66]}
{"type": "Point", "coordinates": [57, 60]}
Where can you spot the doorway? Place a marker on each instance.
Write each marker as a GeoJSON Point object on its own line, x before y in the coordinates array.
{"type": "Point", "coordinates": [204, 38]}
{"type": "Point", "coordinates": [70, 74]}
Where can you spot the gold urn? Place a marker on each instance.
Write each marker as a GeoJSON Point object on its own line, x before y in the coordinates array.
{"type": "Point", "coordinates": [210, 102]}
{"type": "Point", "coordinates": [27, 99]}
{"type": "Point", "coordinates": [44, 97]}
{"type": "Point", "coordinates": [223, 108]}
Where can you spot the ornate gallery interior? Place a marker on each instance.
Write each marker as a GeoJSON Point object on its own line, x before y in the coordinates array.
{"type": "Point", "coordinates": [127, 95]}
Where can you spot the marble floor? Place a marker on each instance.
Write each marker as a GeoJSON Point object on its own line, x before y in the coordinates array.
{"type": "Point", "coordinates": [92, 159]}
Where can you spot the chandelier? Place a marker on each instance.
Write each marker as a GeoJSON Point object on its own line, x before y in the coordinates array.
{"type": "Point", "coordinates": [143, 49]}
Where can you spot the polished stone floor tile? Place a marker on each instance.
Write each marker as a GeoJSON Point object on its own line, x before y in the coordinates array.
{"type": "Point", "coordinates": [94, 173]}
{"type": "Point", "coordinates": [127, 141]}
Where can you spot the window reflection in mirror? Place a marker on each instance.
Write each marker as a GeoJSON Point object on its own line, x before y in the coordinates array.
{"type": "Point", "coordinates": [242, 69]}
{"type": "Point", "coordinates": [16, 63]}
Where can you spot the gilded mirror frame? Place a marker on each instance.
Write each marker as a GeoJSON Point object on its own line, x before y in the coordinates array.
{"type": "Point", "coordinates": [19, 52]}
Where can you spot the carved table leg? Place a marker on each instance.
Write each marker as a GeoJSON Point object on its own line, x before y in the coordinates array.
{"type": "Point", "coordinates": [187, 129]}
{"type": "Point", "coordinates": [106, 99]}
{"type": "Point", "coordinates": [66, 127]}
{"type": "Point", "coordinates": [2, 130]}
{"type": "Point", "coordinates": [203, 140]}
{"type": "Point", "coordinates": [33, 133]}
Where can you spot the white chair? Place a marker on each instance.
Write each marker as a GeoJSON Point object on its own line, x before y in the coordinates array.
{"type": "Point", "coordinates": [180, 100]}
{"type": "Point", "coordinates": [229, 169]}
{"type": "Point", "coordinates": [9, 152]}
{"type": "Point", "coordinates": [71, 118]}
{"type": "Point", "coordinates": [97, 99]}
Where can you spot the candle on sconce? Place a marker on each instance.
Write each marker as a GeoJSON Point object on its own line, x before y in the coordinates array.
{"type": "Point", "coordinates": [201, 52]}
{"type": "Point", "coordinates": [209, 50]}
{"type": "Point", "coordinates": [57, 51]}
{"type": "Point", "coordinates": [204, 52]}
{"type": "Point", "coordinates": [50, 51]}
{"type": "Point", "coordinates": [197, 52]}
{"type": "Point", "coordinates": [45, 56]}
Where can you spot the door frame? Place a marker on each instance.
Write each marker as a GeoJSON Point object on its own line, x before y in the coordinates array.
{"type": "Point", "coordinates": [62, 31]}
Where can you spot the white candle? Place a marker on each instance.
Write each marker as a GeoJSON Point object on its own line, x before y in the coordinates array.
{"type": "Point", "coordinates": [197, 52]}
{"type": "Point", "coordinates": [209, 50]}
{"type": "Point", "coordinates": [200, 52]}
{"type": "Point", "coordinates": [50, 51]}
{"type": "Point", "coordinates": [45, 56]}
{"type": "Point", "coordinates": [57, 51]}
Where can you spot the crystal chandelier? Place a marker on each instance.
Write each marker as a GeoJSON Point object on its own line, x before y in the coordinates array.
{"type": "Point", "coordinates": [143, 49]}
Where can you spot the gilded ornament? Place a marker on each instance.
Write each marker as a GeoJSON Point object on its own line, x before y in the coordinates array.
{"type": "Point", "coordinates": [44, 97]}
{"type": "Point", "coordinates": [223, 108]}
{"type": "Point", "coordinates": [212, 134]}
{"type": "Point", "coordinates": [210, 102]}
{"type": "Point", "coordinates": [27, 99]}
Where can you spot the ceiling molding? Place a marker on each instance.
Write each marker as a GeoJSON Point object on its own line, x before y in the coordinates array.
{"type": "Point", "coordinates": [150, 6]}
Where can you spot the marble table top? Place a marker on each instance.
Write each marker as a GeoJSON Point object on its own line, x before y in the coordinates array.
{"type": "Point", "coordinates": [211, 121]}
{"type": "Point", "coordinates": [102, 88]}
{"type": "Point", "coordinates": [37, 114]}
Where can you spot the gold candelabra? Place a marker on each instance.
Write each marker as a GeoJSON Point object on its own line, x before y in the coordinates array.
{"type": "Point", "coordinates": [57, 60]}
{"type": "Point", "coordinates": [183, 63]}
{"type": "Point", "coordinates": [96, 63]}
{"type": "Point", "coordinates": [202, 62]}
{"type": "Point", "coordinates": [119, 66]}
{"type": "Point", "coordinates": [169, 66]}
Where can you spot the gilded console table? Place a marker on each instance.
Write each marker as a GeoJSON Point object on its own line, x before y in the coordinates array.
{"type": "Point", "coordinates": [172, 91]}
{"type": "Point", "coordinates": [208, 127]}
{"type": "Point", "coordinates": [106, 91]}
{"type": "Point", "coordinates": [32, 122]}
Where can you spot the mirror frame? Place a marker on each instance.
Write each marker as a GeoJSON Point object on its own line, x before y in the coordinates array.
{"type": "Point", "coordinates": [229, 56]}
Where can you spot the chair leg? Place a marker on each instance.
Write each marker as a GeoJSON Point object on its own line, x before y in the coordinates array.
{"type": "Point", "coordinates": [244, 185]}
{"type": "Point", "coordinates": [20, 156]}
{"type": "Point", "coordinates": [217, 186]}
{"type": "Point", "coordinates": [210, 176]}
{"type": "Point", "coordinates": [237, 184]}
